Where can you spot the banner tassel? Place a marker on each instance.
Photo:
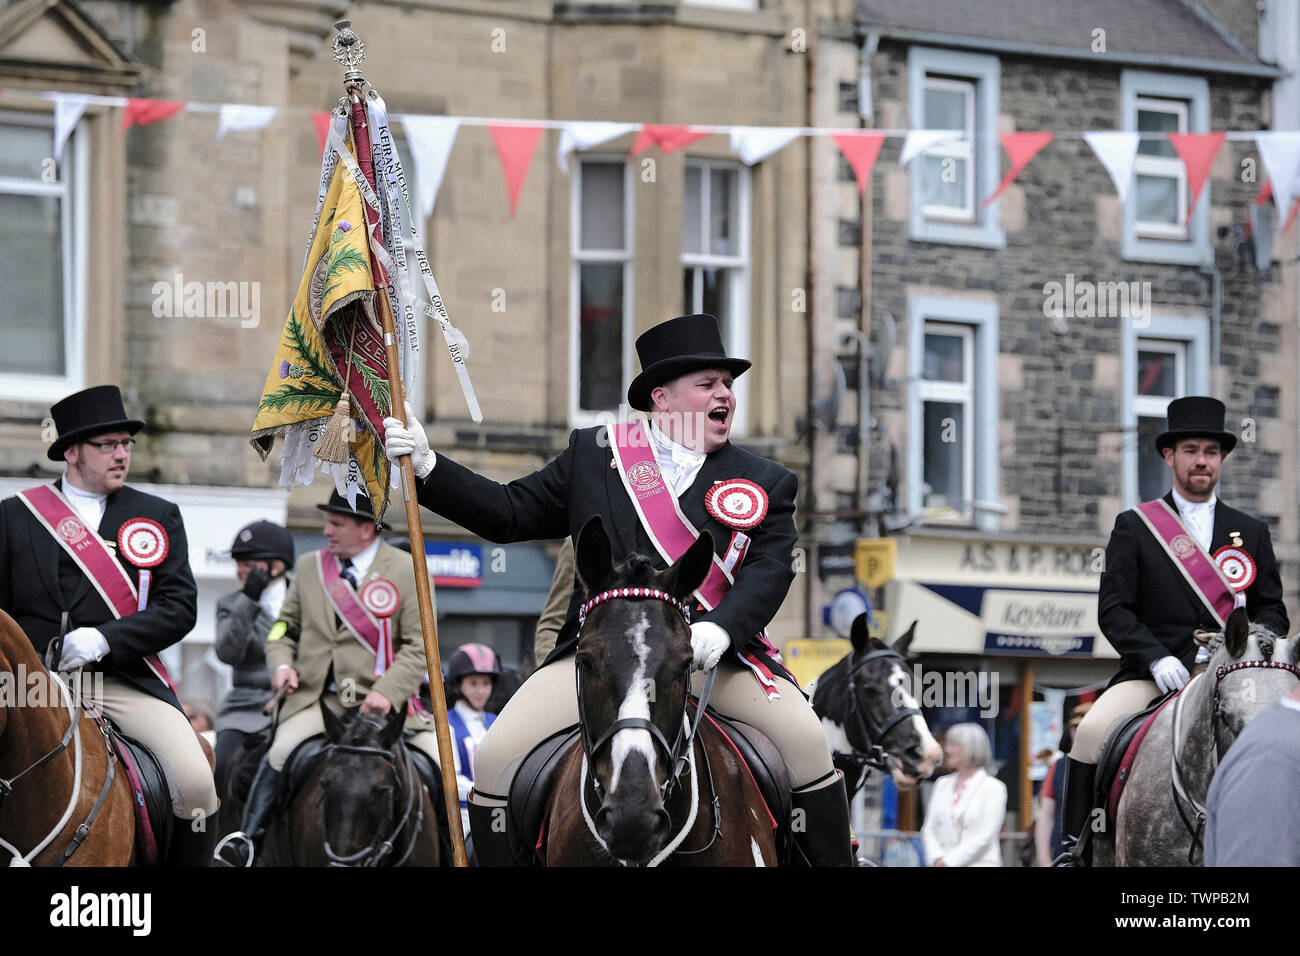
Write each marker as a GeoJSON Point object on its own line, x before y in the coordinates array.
{"type": "Point", "coordinates": [333, 444]}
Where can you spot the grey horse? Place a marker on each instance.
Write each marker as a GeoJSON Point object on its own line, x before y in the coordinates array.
{"type": "Point", "coordinates": [1161, 812]}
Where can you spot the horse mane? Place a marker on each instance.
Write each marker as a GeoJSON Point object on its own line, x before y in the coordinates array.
{"type": "Point", "coordinates": [637, 571]}
{"type": "Point", "coordinates": [362, 729]}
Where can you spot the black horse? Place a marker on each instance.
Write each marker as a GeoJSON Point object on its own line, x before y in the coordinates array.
{"type": "Point", "coordinates": [869, 715]}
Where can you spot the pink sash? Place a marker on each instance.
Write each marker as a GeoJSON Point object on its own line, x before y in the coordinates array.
{"type": "Point", "coordinates": [363, 625]}
{"type": "Point", "coordinates": [1196, 567]}
{"type": "Point", "coordinates": [672, 533]}
{"type": "Point", "coordinates": [88, 550]}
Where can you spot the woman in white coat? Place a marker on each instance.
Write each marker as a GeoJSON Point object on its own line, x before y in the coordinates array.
{"type": "Point", "coordinates": [967, 807]}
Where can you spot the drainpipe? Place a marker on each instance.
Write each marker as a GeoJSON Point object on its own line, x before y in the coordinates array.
{"type": "Point", "coordinates": [1216, 341]}
{"type": "Point", "coordinates": [811, 338]}
{"type": "Point", "coordinates": [868, 42]}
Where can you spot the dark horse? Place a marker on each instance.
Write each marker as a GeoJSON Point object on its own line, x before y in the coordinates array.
{"type": "Point", "coordinates": [57, 773]}
{"type": "Point", "coordinates": [647, 784]}
{"type": "Point", "coordinates": [869, 716]}
{"type": "Point", "coordinates": [361, 804]}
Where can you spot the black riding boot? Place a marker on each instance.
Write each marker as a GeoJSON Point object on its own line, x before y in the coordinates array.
{"type": "Point", "coordinates": [1080, 785]}
{"type": "Point", "coordinates": [491, 842]}
{"type": "Point", "coordinates": [190, 847]}
{"type": "Point", "coordinates": [238, 848]}
{"type": "Point", "coordinates": [821, 825]}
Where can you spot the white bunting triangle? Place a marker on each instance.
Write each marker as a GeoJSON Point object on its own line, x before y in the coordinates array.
{"type": "Point", "coordinates": [1117, 152]}
{"type": "Point", "coordinates": [1281, 155]}
{"type": "Point", "coordinates": [431, 139]}
{"type": "Point", "coordinates": [919, 140]}
{"type": "Point", "coordinates": [67, 113]}
{"type": "Point", "coordinates": [753, 144]}
{"type": "Point", "coordinates": [238, 117]}
{"type": "Point", "coordinates": [585, 136]}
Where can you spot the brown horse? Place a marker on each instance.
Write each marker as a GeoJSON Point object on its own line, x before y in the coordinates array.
{"type": "Point", "coordinates": [625, 794]}
{"type": "Point", "coordinates": [54, 767]}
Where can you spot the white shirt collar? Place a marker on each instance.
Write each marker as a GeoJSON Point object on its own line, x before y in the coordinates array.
{"type": "Point", "coordinates": [87, 504]}
{"type": "Point", "coordinates": [678, 463]}
{"type": "Point", "coordinates": [363, 560]}
{"type": "Point", "coordinates": [1195, 507]}
{"type": "Point", "coordinates": [273, 596]}
{"type": "Point", "coordinates": [469, 713]}
{"type": "Point", "coordinates": [682, 455]}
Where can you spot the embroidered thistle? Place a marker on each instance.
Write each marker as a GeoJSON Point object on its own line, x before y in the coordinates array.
{"type": "Point", "coordinates": [284, 368]}
{"type": "Point", "coordinates": [344, 226]}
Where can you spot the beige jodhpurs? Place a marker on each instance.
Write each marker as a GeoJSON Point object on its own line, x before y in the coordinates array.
{"type": "Point", "coordinates": [548, 702]}
{"type": "Point", "coordinates": [167, 732]}
{"type": "Point", "coordinates": [308, 723]}
{"type": "Point", "coordinates": [1122, 700]}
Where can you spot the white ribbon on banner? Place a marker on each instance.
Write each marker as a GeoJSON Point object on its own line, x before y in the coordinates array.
{"type": "Point", "coordinates": [238, 117]}
{"type": "Point", "coordinates": [919, 140]}
{"type": "Point", "coordinates": [753, 144]}
{"type": "Point", "coordinates": [431, 139]}
{"type": "Point", "coordinates": [1117, 152]}
{"type": "Point", "coordinates": [1281, 155]}
{"type": "Point", "coordinates": [585, 136]}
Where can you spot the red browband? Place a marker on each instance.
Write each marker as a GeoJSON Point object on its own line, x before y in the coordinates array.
{"type": "Point", "coordinates": [633, 593]}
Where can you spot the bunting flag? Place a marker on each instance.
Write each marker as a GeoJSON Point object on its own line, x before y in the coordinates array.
{"type": "Point", "coordinates": [320, 119]}
{"type": "Point", "coordinates": [919, 140]}
{"type": "Point", "coordinates": [515, 147]}
{"type": "Point", "coordinates": [331, 335]}
{"type": "Point", "coordinates": [1117, 152]}
{"type": "Point", "coordinates": [431, 139]}
{"type": "Point", "coordinates": [585, 136]}
{"type": "Point", "coordinates": [67, 113]}
{"type": "Point", "coordinates": [239, 117]}
{"type": "Point", "coordinates": [860, 149]}
{"type": "Point", "coordinates": [1280, 153]}
{"type": "Point", "coordinates": [669, 139]}
{"type": "Point", "coordinates": [142, 112]}
{"type": "Point", "coordinates": [753, 144]}
{"type": "Point", "coordinates": [1021, 148]}
{"type": "Point", "coordinates": [1196, 150]}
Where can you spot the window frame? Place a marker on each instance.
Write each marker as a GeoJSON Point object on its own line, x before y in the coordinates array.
{"type": "Point", "coordinates": [962, 148]}
{"type": "Point", "coordinates": [1163, 167]}
{"type": "Point", "coordinates": [981, 317]}
{"type": "Point", "coordinates": [962, 393]}
{"type": "Point", "coordinates": [578, 257]}
{"type": "Point", "coordinates": [1192, 245]}
{"type": "Point", "coordinates": [984, 71]}
{"type": "Point", "coordinates": [71, 190]}
{"type": "Point", "coordinates": [737, 269]}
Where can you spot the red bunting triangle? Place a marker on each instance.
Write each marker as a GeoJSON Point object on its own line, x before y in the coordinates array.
{"type": "Point", "coordinates": [861, 150]}
{"type": "Point", "coordinates": [515, 147]}
{"type": "Point", "coordinates": [1196, 150]}
{"type": "Point", "coordinates": [669, 139]}
{"type": "Point", "coordinates": [142, 112]}
{"type": "Point", "coordinates": [321, 120]}
{"type": "Point", "coordinates": [1295, 207]}
{"type": "Point", "coordinates": [1021, 148]}
{"type": "Point", "coordinates": [1265, 194]}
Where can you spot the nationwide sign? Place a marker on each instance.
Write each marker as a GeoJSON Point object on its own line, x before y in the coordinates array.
{"type": "Point", "coordinates": [455, 564]}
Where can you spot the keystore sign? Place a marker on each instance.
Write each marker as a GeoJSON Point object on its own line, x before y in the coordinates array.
{"type": "Point", "coordinates": [1039, 622]}
{"type": "Point", "coordinates": [455, 564]}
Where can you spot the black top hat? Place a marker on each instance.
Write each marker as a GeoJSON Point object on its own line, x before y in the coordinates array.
{"type": "Point", "coordinates": [85, 414]}
{"type": "Point", "coordinates": [673, 348]}
{"type": "Point", "coordinates": [1196, 416]}
{"type": "Point", "coordinates": [364, 512]}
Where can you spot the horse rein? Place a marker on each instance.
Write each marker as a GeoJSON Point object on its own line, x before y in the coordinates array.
{"type": "Point", "coordinates": [1196, 827]}
{"type": "Point", "coordinates": [377, 852]}
{"type": "Point", "coordinates": [874, 754]}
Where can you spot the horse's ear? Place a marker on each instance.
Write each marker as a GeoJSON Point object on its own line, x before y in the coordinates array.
{"type": "Point", "coordinates": [333, 725]}
{"type": "Point", "coordinates": [905, 642]}
{"type": "Point", "coordinates": [858, 635]}
{"type": "Point", "coordinates": [592, 556]}
{"type": "Point", "coordinates": [393, 724]}
{"type": "Point", "coordinates": [689, 571]}
{"type": "Point", "coordinates": [1236, 632]}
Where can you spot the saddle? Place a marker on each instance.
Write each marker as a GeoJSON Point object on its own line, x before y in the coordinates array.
{"type": "Point", "coordinates": [151, 798]}
{"type": "Point", "coordinates": [1118, 751]}
{"type": "Point", "coordinates": [529, 803]}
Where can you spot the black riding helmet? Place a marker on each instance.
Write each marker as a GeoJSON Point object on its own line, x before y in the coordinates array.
{"type": "Point", "coordinates": [264, 540]}
{"type": "Point", "coordinates": [472, 659]}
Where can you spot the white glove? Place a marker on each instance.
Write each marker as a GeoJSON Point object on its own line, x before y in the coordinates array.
{"type": "Point", "coordinates": [410, 440]}
{"type": "Point", "coordinates": [709, 642]}
{"type": "Point", "coordinates": [1170, 674]}
{"type": "Point", "coordinates": [82, 646]}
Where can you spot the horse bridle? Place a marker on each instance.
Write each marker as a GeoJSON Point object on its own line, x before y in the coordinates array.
{"type": "Point", "coordinates": [679, 750]}
{"type": "Point", "coordinates": [1197, 826]}
{"type": "Point", "coordinates": [874, 754]}
{"type": "Point", "coordinates": [379, 850]}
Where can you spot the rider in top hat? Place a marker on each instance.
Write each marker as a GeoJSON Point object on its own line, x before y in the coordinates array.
{"type": "Point", "coordinates": [107, 567]}
{"type": "Point", "coordinates": [1173, 566]}
{"type": "Point", "coordinates": [329, 645]}
{"type": "Point", "coordinates": [687, 387]}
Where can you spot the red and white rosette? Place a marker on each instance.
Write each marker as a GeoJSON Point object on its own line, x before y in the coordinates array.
{"type": "Point", "coordinates": [382, 599]}
{"type": "Point", "coordinates": [143, 542]}
{"type": "Point", "coordinates": [1237, 566]}
{"type": "Point", "coordinates": [738, 503]}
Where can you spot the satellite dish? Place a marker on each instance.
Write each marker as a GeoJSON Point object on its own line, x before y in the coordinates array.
{"type": "Point", "coordinates": [845, 607]}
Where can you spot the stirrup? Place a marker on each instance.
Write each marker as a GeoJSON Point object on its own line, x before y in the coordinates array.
{"type": "Point", "coordinates": [230, 839]}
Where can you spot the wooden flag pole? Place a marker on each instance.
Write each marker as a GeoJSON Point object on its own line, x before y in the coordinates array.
{"type": "Point", "coordinates": [350, 51]}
